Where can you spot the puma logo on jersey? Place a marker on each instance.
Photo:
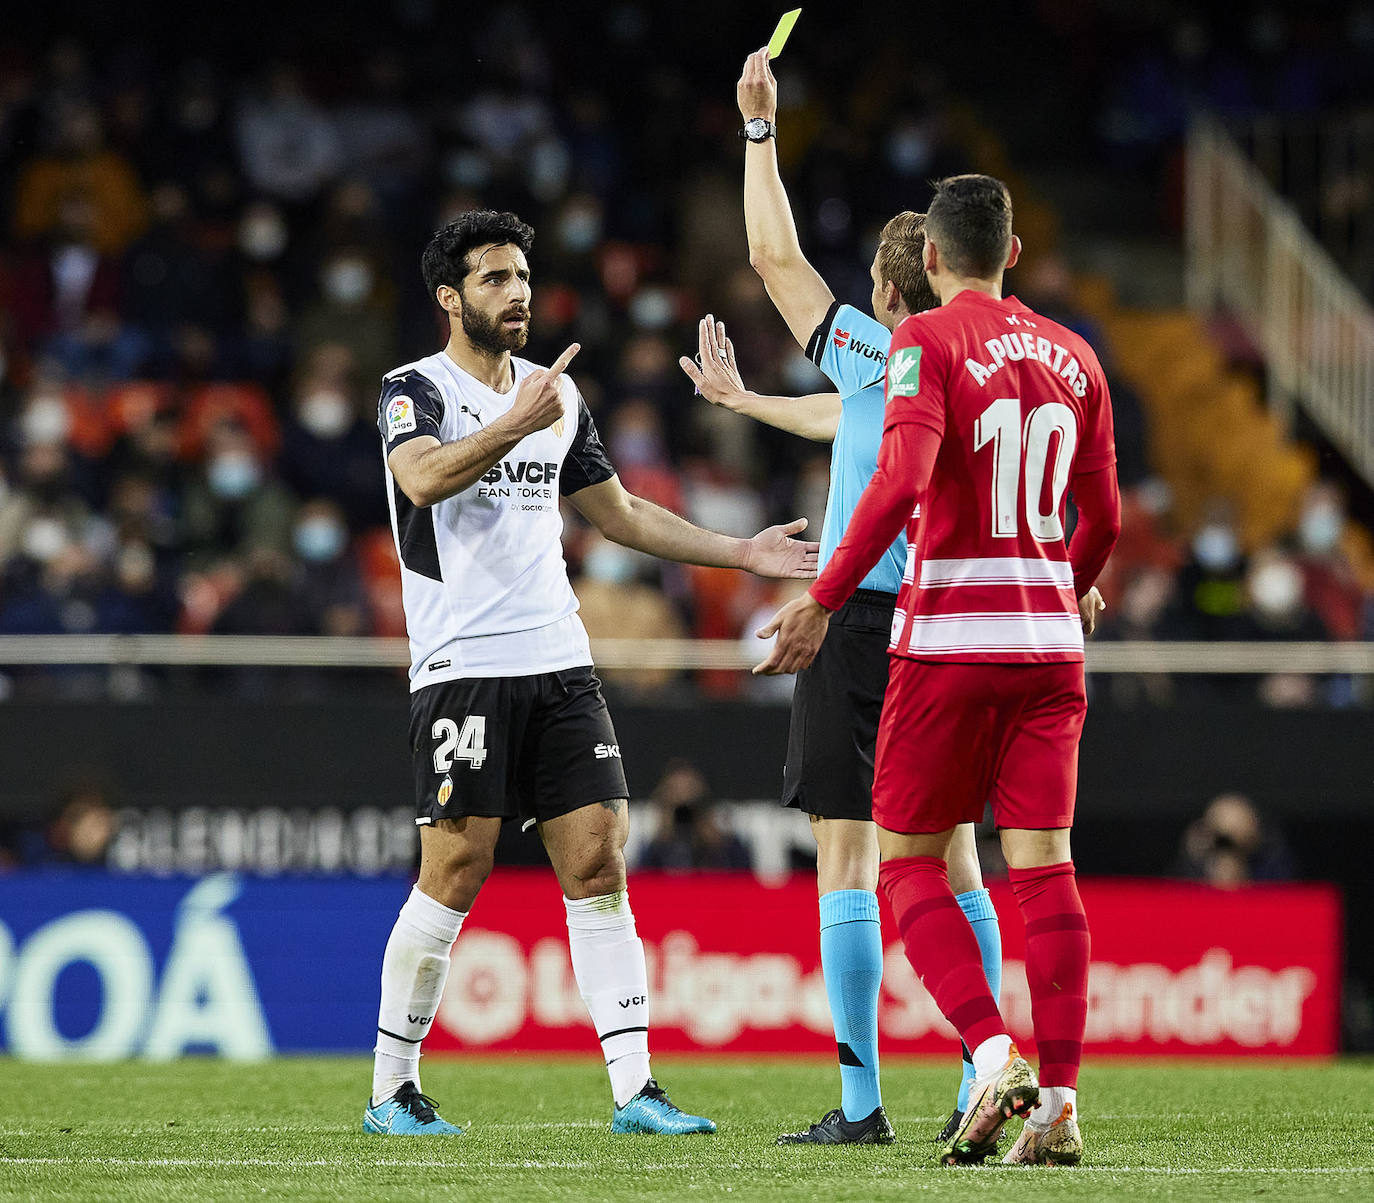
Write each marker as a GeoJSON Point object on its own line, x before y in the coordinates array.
{"type": "Point", "coordinates": [400, 415]}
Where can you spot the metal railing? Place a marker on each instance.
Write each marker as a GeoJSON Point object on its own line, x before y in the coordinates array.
{"type": "Point", "coordinates": [1322, 165]}
{"type": "Point", "coordinates": [1355, 658]}
{"type": "Point", "coordinates": [1249, 253]}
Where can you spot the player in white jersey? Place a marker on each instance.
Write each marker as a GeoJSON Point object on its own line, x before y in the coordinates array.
{"type": "Point", "coordinates": [507, 718]}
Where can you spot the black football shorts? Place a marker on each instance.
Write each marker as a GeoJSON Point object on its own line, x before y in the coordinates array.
{"type": "Point", "coordinates": [531, 748]}
{"type": "Point", "coordinates": [835, 711]}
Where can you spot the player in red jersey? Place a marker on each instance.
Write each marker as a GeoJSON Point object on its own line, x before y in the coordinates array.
{"type": "Point", "coordinates": [994, 414]}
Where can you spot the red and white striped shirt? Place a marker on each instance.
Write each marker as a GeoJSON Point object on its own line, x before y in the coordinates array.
{"type": "Point", "coordinates": [993, 414]}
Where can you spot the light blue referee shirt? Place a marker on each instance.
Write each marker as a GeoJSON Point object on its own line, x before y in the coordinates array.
{"type": "Point", "coordinates": [851, 348]}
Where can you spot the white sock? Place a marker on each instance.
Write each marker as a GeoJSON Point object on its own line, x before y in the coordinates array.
{"type": "Point", "coordinates": [1053, 1100]}
{"type": "Point", "coordinates": [991, 1055]}
{"type": "Point", "coordinates": [608, 962]}
{"type": "Point", "coordinates": [414, 969]}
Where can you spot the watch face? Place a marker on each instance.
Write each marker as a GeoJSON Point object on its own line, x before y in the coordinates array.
{"type": "Point", "coordinates": [756, 127]}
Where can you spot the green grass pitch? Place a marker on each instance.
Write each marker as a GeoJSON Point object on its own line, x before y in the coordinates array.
{"type": "Point", "coordinates": [289, 1129]}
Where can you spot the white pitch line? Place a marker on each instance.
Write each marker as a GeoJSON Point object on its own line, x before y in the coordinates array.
{"type": "Point", "coordinates": [401, 1163]}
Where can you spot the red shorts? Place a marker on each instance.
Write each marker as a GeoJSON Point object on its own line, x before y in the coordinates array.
{"type": "Point", "coordinates": [956, 736]}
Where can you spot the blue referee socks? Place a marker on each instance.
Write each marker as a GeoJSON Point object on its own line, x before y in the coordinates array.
{"type": "Point", "coordinates": [852, 962]}
{"type": "Point", "coordinates": [978, 909]}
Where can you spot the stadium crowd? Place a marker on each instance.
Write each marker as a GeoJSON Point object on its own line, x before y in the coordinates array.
{"type": "Point", "coordinates": [205, 271]}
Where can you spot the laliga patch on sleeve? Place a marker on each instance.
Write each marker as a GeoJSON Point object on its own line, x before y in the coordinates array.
{"type": "Point", "coordinates": [400, 416]}
{"type": "Point", "coordinates": [904, 372]}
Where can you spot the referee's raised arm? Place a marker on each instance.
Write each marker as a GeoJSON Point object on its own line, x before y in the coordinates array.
{"type": "Point", "coordinates": [794, 286]}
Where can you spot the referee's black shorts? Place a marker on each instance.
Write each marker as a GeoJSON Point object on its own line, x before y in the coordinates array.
{"type": "Point", "coordinates": [835, 711]}
{"type": "Point", "coordinates": [529, 748]}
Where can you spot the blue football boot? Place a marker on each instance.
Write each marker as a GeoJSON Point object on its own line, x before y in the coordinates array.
{"type": "Point", "coordinates": [651, 1111]}
{"type": "Point", "coordinates": [407, 1113]}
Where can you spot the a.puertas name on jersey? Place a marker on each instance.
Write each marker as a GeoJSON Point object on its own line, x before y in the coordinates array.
{"type": "Point", "coordinates": [1022, 344]}
{"type": "Point", "coordinates": [520, 480]}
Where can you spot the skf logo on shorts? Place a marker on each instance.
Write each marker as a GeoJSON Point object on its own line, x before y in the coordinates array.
{"type": "Point", "coordinates": [400, 415]}
{"type": "Point", "coordinates": [840, 338]}
{"type": "Point", "coordinates": [445, 791]}
{"type": "Point", "coordinates": [606, 751]}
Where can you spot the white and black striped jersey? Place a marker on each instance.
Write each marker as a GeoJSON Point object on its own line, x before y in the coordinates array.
{"type": "Point", "coordinates": [483, 578]}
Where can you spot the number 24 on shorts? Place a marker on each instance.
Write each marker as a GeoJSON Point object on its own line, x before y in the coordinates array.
{"type": "Point", "coordinates": [469, 744]}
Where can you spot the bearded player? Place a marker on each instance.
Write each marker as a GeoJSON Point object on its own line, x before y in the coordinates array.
{"type": "Point", "coordinates": [507, 721]}
{"type": "Point", "coordinates": [835, 708]}
{"type": "Point", "coordinates": [994, 414]}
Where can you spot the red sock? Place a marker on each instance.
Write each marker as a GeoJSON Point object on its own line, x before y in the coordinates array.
{"type": "Point", "coordinates": [1057, 950]}
{"type": "Point", "coordinates": [941, 945]}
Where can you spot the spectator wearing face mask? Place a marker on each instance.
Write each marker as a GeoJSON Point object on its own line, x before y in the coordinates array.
{"type": "Point", "coordinates": [1278, 610]}
{"type": "Point", "coordinates": [1211, 599]}
{"type": "Point", "coordinates": [615, 604]}
{"type": "Point", "coordinates": [41, 510]}
{"type": "Point", "coordinates": [1329, 580]}
{"type": "Point", "coordinates": [352, 305]}
{"type": "Point", "coordinates": [232, 502]}
{"type": "Point", "coordinates": [330, 450]}
{"type": "Point", "coordinates": [329, 586]}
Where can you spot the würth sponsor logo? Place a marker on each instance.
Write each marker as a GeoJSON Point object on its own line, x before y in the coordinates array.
{"type": "Point", "coordinates": [857, 346]}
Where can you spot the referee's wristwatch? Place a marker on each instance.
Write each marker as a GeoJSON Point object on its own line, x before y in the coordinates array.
{"type": "Point", "coordinates": [758, 129]}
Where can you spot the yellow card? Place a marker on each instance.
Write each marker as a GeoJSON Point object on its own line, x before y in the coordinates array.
{"type": "Point", "coordinates": [779, 38]}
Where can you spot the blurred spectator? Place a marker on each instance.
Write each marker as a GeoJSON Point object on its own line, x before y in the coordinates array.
{"type": "Point", "coordinates": [329, 448]}
{"type": "Point", "coordinates": [84, 826]}
{"type": "Point", "coordinates": [351, 307]}
{"type": "Point", "coordinates": [288, 145]}
{"type": "Point", "coordinates": [1279, 611]}
{"type": "Point", "coordinates": [66, 298]}
{"type": "Point", "coordinates": [614, 603]}
{"type": "Point", "coordinates": [79, 168]}
{"type": "Point", "coordinates": [42, 511]}
{"type": "Point", "coordinates": [689, 834]}
{"type": "Point", "coordinates": [1211, 598]}
{"type": "Point", "coordinates": [232, 502]}
{"type": "Point", "coordinates": [1230, 845]}
{"type": "Point", "coordinates": [174, 283]}
{"type": "Point", "coordinates": [329, 584]}
{"type": "Point", "coordinates": [1329, 581]}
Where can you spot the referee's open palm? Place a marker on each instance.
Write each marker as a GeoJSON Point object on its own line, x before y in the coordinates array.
{"type": "Point", "coordinates": [773, 552]}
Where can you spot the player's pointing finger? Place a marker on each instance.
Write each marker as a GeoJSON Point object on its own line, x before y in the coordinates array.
{"type": "Point", "coordinates": [560, 364]}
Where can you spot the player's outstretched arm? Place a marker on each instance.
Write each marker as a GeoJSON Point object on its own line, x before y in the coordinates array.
{"type": "Point", "coordinates": [794, 286]}
{"type": "Point", "coordinates": [633, 522]}
{"type": "Point", "coordinates": [716, 375]}
{"type": "Point", "coordinates": [428, 471]}
{"type": "Point", "coordinates": [905, 462]}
